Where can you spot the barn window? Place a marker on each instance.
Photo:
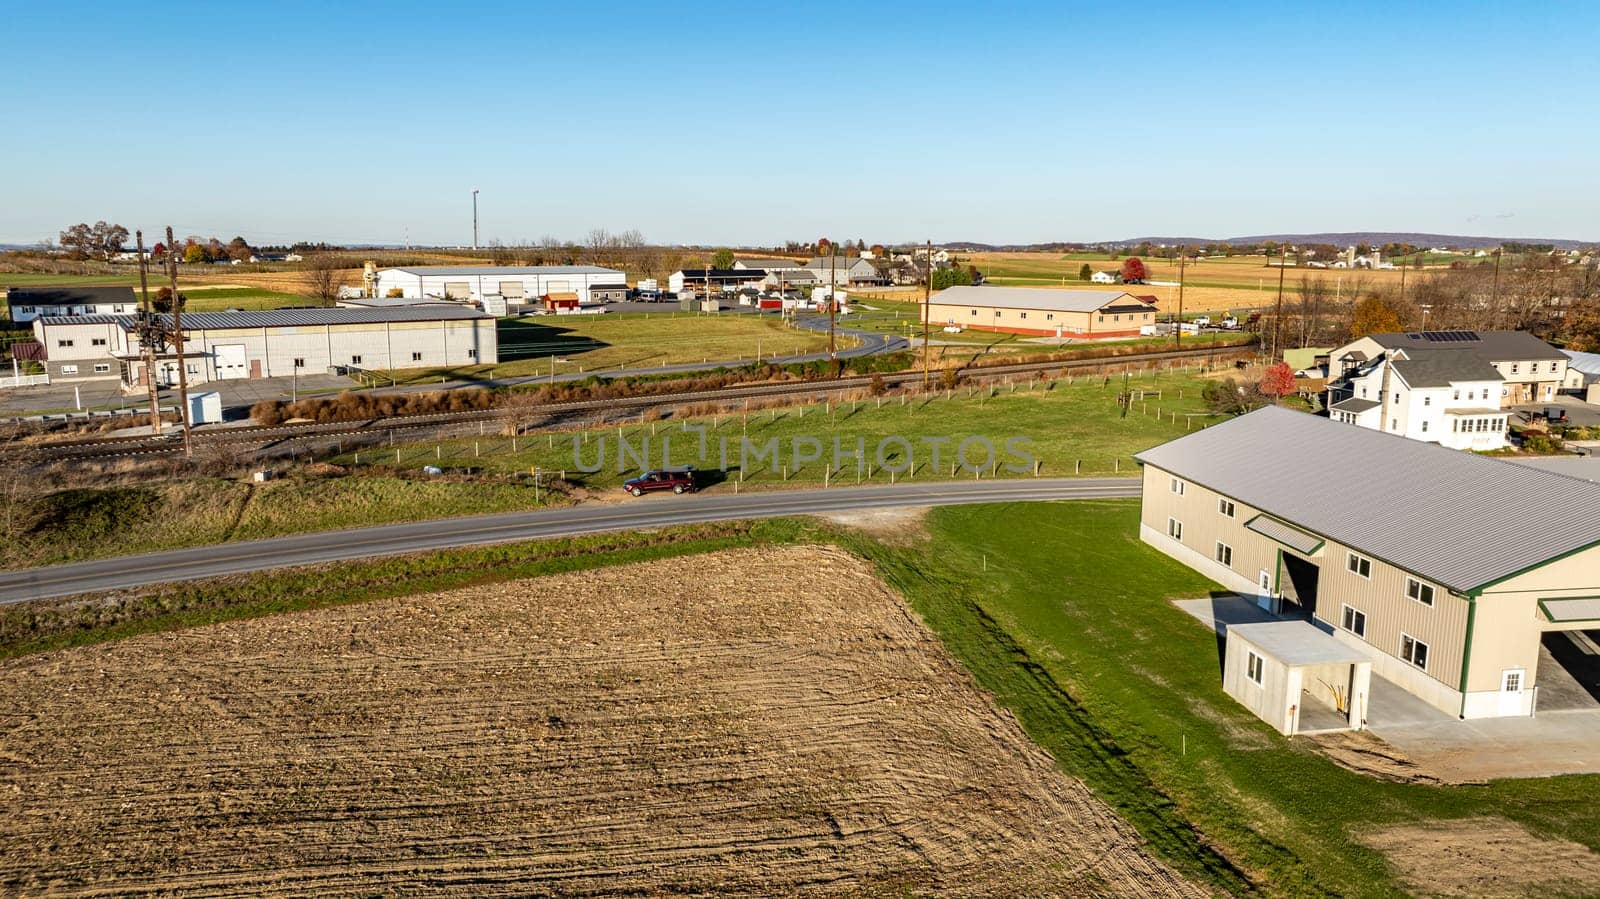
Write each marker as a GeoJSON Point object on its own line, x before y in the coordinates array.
{"type": "Point", "coordinates": [1174, 529]}
{"type": "Point", "coordinates": [1414, 651]}
{"type": "Point", "coordinates": [1224, 554]}
{"type": "Point", "coordinates": [355, 360]}
{"type": "Point", "coordinates": [1355, 621]}
{"type": "Point", "coordinates": [101, 368]}
{"type": "Point", "coordinates": [1419, 591]}
{"type": "Point", "coordinates": [299, 363]}
{"type": "Point", "coordinates": [1254, 667]}
{"type": "Point", "coordinates": [416, 357]}
{"type": "Point", "coordinates": [1359, 565]}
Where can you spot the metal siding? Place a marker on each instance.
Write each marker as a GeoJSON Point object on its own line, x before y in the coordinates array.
{"type": "Point", "coordinates": [1457, 519]}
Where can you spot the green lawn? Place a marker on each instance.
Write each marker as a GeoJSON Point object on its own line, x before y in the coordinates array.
{"type": "Point", "coordinates": [1073, 427]}
{"type": "Point", "coordinates": [217, 299]}
{"type": "Point", "coordinates": [1062, 613]}
{"type": "Point", "coordinates": [595, 343]}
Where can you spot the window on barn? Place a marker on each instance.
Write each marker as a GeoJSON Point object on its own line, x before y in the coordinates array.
{"type": "Point", "coordinates": [1355, 621]}
{"type": "Point", "coordinates": [1359, 565]}
{"type": "Point", "coordinates": [416, 357]}
{"type": "Point", "coordinates": [1254, 667]}
{"type": "Point", "coordinates": [1225, 506]}
{"type": "Point", "coordinates": [1414, 651]}
{"type": "Point", "coordinates": [1224, 554]}
{"type": "Point", "coordinates": [1419, 591]}
{"type": "Point", "coordinates": [1174, 529]}
{"type": "Point", "coordinates": [299, 363]}
{"type": "Point", "coordinates": [1177, 486]}
{"type": "Point", "coordinates": [355, 360]}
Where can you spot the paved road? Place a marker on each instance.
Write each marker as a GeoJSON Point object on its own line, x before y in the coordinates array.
{"type": "Point", "coordinates": [648, 512]}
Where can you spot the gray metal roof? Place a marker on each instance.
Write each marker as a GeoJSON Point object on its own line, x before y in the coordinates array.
{"type": "Point", "coordinates": [1049, 299]}
{"type": "Point", "coordinates": [286, 318]}
{"type": "Point", "coordinates": [1287, 534]}
{"type": "Point", "coordinates": [1459, 519]}
{"type": "Point", "coordinates": [472, 270]}
{"type": "Point", "coordinates": [1490, 346]}
{"type": "Point", "coordinates": [1296, 643]}
{"type": "Point", "coordinates": [394, 302]}
{"type": "Point", "coordinates": [1428, 368]}
{"type": "Point", "coordinates": [1588, 363]}
{"type": "Point", "coordinates": [1582, 608]}
{"type": "Point", "coordinates": [1355, 404]}
{"type": "Point", "coordinates": [69, 296]}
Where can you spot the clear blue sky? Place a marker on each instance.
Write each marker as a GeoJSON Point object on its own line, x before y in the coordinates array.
{"type": "Point", "coordinates": [713, 123]}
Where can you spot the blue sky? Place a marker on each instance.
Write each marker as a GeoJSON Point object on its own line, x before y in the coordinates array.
{"type": "Point", "coordinates": [716, 123]}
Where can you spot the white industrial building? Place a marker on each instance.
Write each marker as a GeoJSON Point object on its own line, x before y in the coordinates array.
{"type": "Point", "coordinates": [276, 343]}
{"type": "Point", "coordinates": [513, 285]}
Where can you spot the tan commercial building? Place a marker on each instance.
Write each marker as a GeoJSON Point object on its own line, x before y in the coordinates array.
{"type": "Point", "coordinates": [276, 343]}
{"type": "Point", "coordinates": [1042, 311]}
{"type": "Point", "coordinates": [1458, 575]}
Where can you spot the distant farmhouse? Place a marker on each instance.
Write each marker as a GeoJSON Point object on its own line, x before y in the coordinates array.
{"type": "Point", "coordinates": [1043, 311]}
{"type": "Point", "coordinates": [1450, 572]}
{"type": "Point", "coordinates": [25, 304]}
{"type": "Point", "coordinates": [1447, 387]}
{"type": "Point", "coordinates": [845, 271]}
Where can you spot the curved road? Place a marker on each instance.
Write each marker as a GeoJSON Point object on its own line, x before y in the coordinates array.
{"type": "Point", "coordinates": [123, 572]}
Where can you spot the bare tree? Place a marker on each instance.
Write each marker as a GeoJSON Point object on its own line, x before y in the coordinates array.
{"type": "Point", "coordinates": [324, 275]}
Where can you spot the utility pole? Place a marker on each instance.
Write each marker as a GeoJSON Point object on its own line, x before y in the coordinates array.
{"type": "Point", "coordinates": [1277, 315]}
{"type": "Point", "coordinates": [474, 218]}
{"type": "Point", "coordinates": [927, 299]}
{"type": "Point", "coordinates": [1494, 297]}
{"type": "Point", "coordinates": [146, 345]}
{"type": "Point", "coordinates": [1177, 332]}
{"type": "Point", "coordinates": [177, 341]}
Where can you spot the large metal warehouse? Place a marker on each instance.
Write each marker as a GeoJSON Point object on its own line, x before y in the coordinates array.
{"type": "Point", "coordinates": [1050, 312]}
{"type": "Point", "coordinates": [1468, 581]}
{"type": "Point", "coordinates": [517, 285]}
{"type": "Point", "coordinates": [276, 343]}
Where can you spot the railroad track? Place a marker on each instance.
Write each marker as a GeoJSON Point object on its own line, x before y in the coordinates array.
{"type": "Point", "coordinates": [449, 423]}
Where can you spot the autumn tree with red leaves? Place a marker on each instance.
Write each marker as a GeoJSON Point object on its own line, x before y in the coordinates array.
{"type": "Point", "coordinates": [1133, 271]}
{"type": "Point", "coordinates": [1278, 381]}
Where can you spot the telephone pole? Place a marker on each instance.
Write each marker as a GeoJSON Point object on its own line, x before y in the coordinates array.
{"type": "Point", "coordinates": [177, 341]}
{"type": "Point", "coordinates": [833, 299]}
{"type": "Point", "coordinates": [1494, 296]}
{"type": "Point", "coordinates": [474, 218]}
{"type": "Point", "coordinates": [927, 298]}
{"type": "Point", "coordinates": [1177, 332]}
{"type": "Point", "coordinates": [1277, 314]}
{"type": "Point", "coordinates": [146, 331]}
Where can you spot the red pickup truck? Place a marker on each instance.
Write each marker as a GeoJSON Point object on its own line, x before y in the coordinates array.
{"type": "Point", "coordinates": [678, 480]}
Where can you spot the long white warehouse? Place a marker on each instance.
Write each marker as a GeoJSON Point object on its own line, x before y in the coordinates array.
{"type": "Point", "coordinates": [517, 285]}
{"type": "Point", "coordinates": [276, 343]}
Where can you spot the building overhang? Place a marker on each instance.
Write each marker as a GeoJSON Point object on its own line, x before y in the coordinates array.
{"type": "Point", "coordinates": [1566, 610]}
{"type": "Point", "coordinates": [1302, 542]}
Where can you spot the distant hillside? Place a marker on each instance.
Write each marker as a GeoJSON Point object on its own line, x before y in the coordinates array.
{"type": "Point", "coordinates": [1346, 238]}
{"type": "Point", "coordinates": [1337, 238]}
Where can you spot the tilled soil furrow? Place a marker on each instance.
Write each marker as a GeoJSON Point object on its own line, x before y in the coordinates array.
{"type": "Point", "coordinates": [776, 723]}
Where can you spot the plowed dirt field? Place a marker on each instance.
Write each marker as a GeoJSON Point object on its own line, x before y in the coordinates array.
{"type": "Point", "coordinates": [756, 722]}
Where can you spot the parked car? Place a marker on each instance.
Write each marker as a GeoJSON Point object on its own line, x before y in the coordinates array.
{"type": "Point", "coordinates": [678, 480]}
{"type": "Point", "coordinates": [1202, 321]}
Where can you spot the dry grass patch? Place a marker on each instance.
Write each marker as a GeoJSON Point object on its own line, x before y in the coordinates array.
{"type": "Point", "coordinates": [763, 721]}
{"type": "Point", "coordinates": [1486, 857]}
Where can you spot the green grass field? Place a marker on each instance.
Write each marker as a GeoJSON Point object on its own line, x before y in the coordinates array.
{"type": "Point", "coordinates": [1072, 427]}
{"type": "Point", "coordinates": [1062, 613]}
{"type": "Point", "coordinates": [596, 343]}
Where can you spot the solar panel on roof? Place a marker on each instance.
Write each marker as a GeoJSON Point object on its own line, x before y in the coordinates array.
{"type": "Point", "coordinates": [1450, 336]}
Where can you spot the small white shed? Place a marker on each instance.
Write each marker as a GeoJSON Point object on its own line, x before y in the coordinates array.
{"type": "Point", "coordinates": [205, 408]}
{"type": "Point", "coordinates": [1297, 678]}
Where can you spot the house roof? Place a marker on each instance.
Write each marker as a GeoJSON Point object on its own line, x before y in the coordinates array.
{"type": "Point", "coordinates": [724, 274]}
{"type": "Point", "coordinates": [1423, 368]}
{"type": "Point", "coordinates": [1490, 346]}
{"type": "Point", "coordinates": [393, 302]}
{"type": "Point", "coordinates": [67, 296]}
{"type": "Point", "coordinates": [284, 318]}
{"type": "Point", "coordinates": [1044, 298]}
{"type": "Point", "coordinates": [472, 270]}
{"type": "Point", "coordinates": [1459, 519]}
{"type": "Point", "coordinates": [1355, 404]}
{"type": "Point", "coordinates": [770, 264]}
{"type": "Point", "coordinates": [845, 262]}
{"type": "Point", "coordinates": [1588, 363]}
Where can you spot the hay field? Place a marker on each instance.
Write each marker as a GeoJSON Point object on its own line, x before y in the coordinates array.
{"type": "Point", "coordinates": [769, 722]}
{"type": "Point", "coordinates": [1214, 285]}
